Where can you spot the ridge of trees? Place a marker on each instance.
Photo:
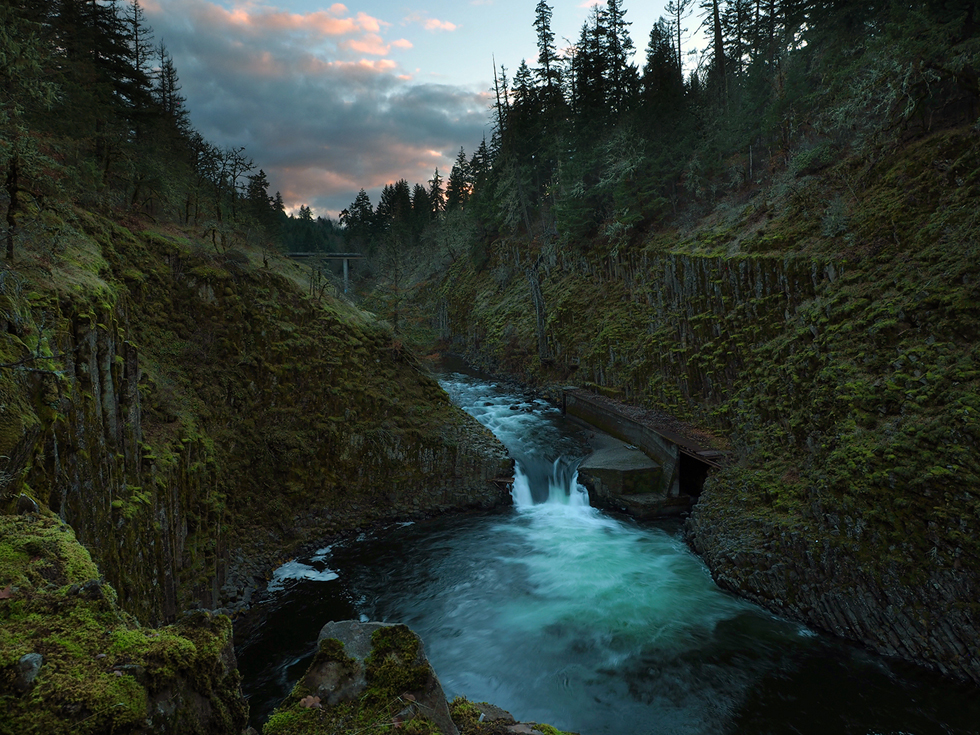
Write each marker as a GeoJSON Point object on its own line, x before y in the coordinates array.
{"type": "Point", "coordinates": [91, 111]}
{"type": "Point", "coordinates": [587, 144]}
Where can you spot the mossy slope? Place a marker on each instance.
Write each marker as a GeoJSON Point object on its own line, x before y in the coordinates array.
{"type": "Point", "coordinates": [178, 405]}
{"type": "Point", "coordinates": [828, 326]}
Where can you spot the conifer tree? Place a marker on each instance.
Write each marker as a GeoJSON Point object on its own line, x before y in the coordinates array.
{"type": "Point", "coordinates": [717, 73]}
{"type": "Point", "coordinates": [437, 196]}
{"type": "Point", "coordinates": [358, 221]}
{"type": "Point", "coordinates": [258, 203]}
{"type": "Point", "coordinates": [619, 48]}
{"type": "Point", "coordinates": [549, 73]}
{"type": "Point", "coordinates": [167, 92]}
{"type": "Point", "coordinates": [662, 91]}
{"type": "Point", "coordinates": [736, 24]}
{"type": "Point", "coordinates": [458, 186]}
{"type": "Point", "coordinates": [679, 11]}
{"type": "Point", "coordinates": [591, 66]}
{"type": "Point", "coordinates": [421, 211]}
{"type": "Point", "coordinates": [25, 91]}
{"type": "Point", "coordinates": [140, 37]}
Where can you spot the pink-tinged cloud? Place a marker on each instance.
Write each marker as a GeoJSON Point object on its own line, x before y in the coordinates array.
{"type": "Point", "coordinates": [439, 25]}
{"type": "Point", "coordinates": [370, 44]}
{"type": "Point", "coordinates": [377, 65]}
{"type": "Point", "coordinates": [402, 43]}
{"type": "Point", "coordinates": [430, 24]}
{"type": "Point", "coordinates": [369, 24]}
{"type": "Point", "coordinates": [260, 22]}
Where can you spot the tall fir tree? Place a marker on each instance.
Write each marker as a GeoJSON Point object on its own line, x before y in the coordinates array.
{"type": "Point", "coordinates": [549, 64]}
{"type": "Point", "coordinates": [459, 184]}
{"type": "Point", "coordinates": [622, 76]}
{"type": "Point", "coordinates": [437, 194]}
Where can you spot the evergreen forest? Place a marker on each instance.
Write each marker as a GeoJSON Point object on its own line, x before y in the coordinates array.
{"type": "Point", "coordinates": [588, 145]}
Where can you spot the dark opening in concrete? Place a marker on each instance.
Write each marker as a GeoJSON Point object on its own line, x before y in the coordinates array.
{"type": "Point", "coordinates": [692, 473]}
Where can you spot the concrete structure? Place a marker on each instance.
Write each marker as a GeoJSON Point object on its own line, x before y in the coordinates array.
{"type": "Point", "coordinates": [647, 472]}
{"type": "Point", "coordinates": [319, 257]}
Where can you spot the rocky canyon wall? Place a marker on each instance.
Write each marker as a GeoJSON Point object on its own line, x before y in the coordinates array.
{"type": "Point", "coordinates": [841, 363]}
{"type": "Point", "coordinates": [181, 408]}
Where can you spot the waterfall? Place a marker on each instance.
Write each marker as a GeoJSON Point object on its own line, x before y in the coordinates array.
{"type": "Point", "coordinates": [546, 459]}
{"type": "Point", "coordinates": [554, 484]}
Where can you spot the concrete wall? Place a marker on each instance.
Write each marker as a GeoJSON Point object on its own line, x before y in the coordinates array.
{"type": "Point", "coordinates": [657, 447]}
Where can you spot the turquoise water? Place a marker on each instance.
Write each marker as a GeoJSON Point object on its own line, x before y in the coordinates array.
{"type": "Point", "coordinates": [562, 614]}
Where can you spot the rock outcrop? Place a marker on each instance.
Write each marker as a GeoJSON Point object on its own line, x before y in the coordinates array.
{"type": "Point", "coordinates": [819, 576]}
{"type": "Point", "coordinates": [372, 677]}
{"type": "Point", "coordinates": [373, 674]}
{"type": "Point", "coordinates": [71, 661]}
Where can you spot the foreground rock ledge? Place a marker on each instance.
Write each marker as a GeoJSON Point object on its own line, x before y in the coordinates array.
{"type": "Point", "coordinates": [374, 677]}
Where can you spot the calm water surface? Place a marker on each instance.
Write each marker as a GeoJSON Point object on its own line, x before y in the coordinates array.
{"type": "Point", "coordinates": [562, 614]}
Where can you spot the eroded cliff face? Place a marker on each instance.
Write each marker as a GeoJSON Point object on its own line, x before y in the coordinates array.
{"type": "Point", "coordinates": [828, 326]}
{"type": "Point", "coordinates": [180, 407]}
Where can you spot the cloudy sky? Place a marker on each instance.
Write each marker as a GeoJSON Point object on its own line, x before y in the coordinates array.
{"type": "Point", "coordinates": [329, 99]}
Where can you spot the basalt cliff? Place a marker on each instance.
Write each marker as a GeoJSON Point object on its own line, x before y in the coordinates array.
{"type": "Point", "coordinates": [192, 415]}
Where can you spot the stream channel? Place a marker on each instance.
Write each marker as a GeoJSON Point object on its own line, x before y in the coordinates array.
{"type": "Point", "coordinates": [591, 622]}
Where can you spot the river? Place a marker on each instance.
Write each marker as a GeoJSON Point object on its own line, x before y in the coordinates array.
{"type": "Point", "coordinates": [594, 623]}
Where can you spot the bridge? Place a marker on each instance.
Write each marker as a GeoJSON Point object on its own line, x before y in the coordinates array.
{"type": "Point", "coordinates": [317, 257]}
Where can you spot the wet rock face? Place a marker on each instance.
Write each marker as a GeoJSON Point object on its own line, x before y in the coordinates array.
{"type": "Point", "coordinates": [821, 580]}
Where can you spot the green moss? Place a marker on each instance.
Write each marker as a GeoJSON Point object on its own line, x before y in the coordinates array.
{"type": "Point", "coordinates": [394, 665]}
{"type": "Point", "coordinates": [549, 730]}
{"type": "Point", "coordinates": [466, 715]}
{"type": "Point", "coordinates": [101, 669]}
{"type": "Point", "coordinates": [393, 671]}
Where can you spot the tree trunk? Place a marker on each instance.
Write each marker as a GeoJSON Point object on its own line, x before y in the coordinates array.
{"type": "Point", "coordinates": [719, 44]}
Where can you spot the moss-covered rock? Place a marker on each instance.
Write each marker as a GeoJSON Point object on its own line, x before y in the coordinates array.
{"type": "Point", "coordinates": [374, 677]}
{"type": "Point", "coordinates": [100, 671]}
{"type": "Point", "coordinates": [365, 677]}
